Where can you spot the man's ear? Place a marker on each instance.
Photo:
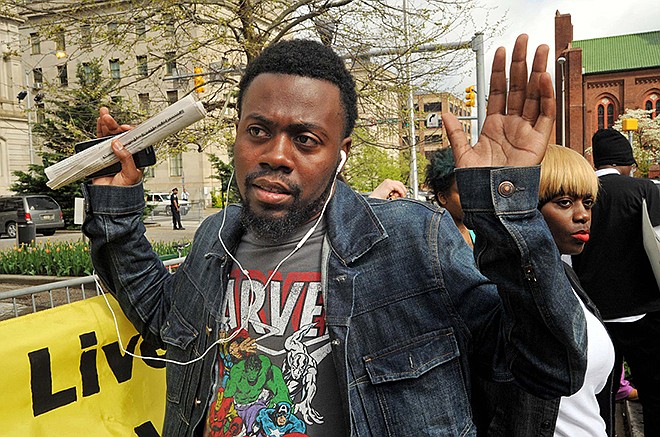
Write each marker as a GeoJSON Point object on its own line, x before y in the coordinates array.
{"type": "Point", "coordinates": [346, 145]}
{"type": "Point", "coordinates": [441, 198]}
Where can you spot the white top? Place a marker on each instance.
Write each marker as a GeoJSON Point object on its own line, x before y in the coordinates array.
{"type": "Point", "coordinates": [579, 414]}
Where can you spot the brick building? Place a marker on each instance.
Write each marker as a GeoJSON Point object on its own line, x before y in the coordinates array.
{"type": "Point", "coordinates": [602, 77]}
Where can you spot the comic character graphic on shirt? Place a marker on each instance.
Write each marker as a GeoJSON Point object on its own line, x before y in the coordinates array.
{"type": "Point", "coordinates": [234, 351]}
{"type": "Point", "coordinates": [255, 383]}
{"type": "Point", "coordinates": [300, 371]}
{"type": "Point", "coordinates": [223, 420]}
{"type": "Point", "coordinates": [270, 376]}
{"type": "Point", "coordinates": [278, 422]}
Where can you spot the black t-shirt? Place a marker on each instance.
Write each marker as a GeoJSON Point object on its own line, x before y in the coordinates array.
{"type": "Point", "coordinates": [276, 377]}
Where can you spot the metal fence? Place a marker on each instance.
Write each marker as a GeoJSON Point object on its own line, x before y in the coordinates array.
{"type": "Point", "coordinates": [50, 295]}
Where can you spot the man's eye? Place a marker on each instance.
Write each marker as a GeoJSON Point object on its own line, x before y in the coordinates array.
{"type": "Point", "coordinates": [564, 203]}
{"type": "Point", "coordinates": [306, 140]}
{"type": "Point", "coordinates": [256, 131]}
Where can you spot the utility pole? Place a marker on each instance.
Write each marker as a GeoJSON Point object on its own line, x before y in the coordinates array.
{"type": "Point", "coordinates": [411, 108]}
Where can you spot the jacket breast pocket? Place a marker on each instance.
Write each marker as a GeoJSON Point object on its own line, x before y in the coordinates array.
{"type": "Point", "coordinates": [419, 386]}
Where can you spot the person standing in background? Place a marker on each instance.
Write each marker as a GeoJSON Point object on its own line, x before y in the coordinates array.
{"type": "Point", "coordinates": [176, 209]}
{"type": "Point", "coordinates": [616, 273]}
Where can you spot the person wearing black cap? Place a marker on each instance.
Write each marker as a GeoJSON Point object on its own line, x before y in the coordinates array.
{"type": "Point", "coordinates": [616, 273]}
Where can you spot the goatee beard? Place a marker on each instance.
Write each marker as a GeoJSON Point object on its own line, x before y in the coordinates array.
{"type": "Point", "coordinates": [277, 229]}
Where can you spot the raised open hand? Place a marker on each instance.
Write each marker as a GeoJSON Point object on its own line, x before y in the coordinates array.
{"type": "Point", "coordinates": [518, 123]}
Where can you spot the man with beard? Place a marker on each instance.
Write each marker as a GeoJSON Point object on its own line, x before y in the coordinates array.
{"type": "Point", "coordinates": [400, 312]}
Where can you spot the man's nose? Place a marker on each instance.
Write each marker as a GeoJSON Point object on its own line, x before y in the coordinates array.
{"type": "Point", "coordinates": [278, 154]}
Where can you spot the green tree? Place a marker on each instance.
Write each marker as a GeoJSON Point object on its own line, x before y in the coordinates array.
{"type": "Point", "coordinates": [646, 139]}
{"type": "Point", "coordinates": [68, 116]}
{"type": "Point", "coordinates": [223, 173]}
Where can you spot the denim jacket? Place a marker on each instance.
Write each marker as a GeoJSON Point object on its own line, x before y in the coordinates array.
{"type": "Point", "coordinates": [409, 314]}
{"type": "Point", "coordinates": [505, 410]}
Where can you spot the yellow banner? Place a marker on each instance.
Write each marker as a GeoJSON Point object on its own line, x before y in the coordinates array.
{"type": "Point", "coordinates": [62, 373]}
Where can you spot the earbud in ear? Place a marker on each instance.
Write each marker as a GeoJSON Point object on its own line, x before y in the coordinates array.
{"type": "Point", "coordinates": [342, 160]}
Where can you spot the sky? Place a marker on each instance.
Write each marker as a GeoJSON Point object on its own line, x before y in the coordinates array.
{"type": "Point", "coordinates": [590, 19]}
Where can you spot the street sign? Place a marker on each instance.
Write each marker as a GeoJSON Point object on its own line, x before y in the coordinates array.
{"type": "Point", "coordinates": [433, 120]}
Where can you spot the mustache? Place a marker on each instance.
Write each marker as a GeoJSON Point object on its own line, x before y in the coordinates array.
{"type": "Point", "coordinates": [294, 188]}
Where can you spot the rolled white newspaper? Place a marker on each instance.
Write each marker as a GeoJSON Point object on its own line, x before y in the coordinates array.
{"type": "Point", "coordinates": [170, 120]}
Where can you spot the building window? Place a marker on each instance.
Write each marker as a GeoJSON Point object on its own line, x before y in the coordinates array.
{"type": "Point", "coordinates": [87, 72]}
{"type": "Point", "coordinates": [610, 115]}
{"type": "Point", "coordinates": [37, 77]}
{"type": "Point", "coordinates": [168, 21]}
{"type": "Point", "coordinates": [172, 96]}
{"type": "Point", "coordinates": [170, 66]}
{"type": "Point", "coordinates": [144, 102]}
{"type": "Point", "coordinates": [115, 70]}
{"type": "Point", "coordinates": [176, 165]}
{"type": "Point", "coordinates": [140, 29]}
{"type": "Point", "coordinates": [41, 113]}
{"type": "Point", "coordinates": [63, 75]}
{"type": "Point", "coordinates": [85, 35]}
{"type": "Point", "coordinates": [433, 107]}
{"type": "Point", "coordinates": [113, 31]}
{"type": "Point", "coordinates": [35, 43]}
{"type": "Point", "coordinates": [142, 66]}
{"type": "Point", "coordinates": [607, 114]}
{"type": "Point", "coordinates": [652, 104]}
{"type": "Point", "coordinates": [60, 41]}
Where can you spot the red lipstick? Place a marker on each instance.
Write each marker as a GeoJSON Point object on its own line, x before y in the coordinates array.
{"type": "Point", "coordinates": [582, 236]}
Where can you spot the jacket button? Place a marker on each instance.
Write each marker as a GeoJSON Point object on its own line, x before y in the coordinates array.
{"type": "Point", "coordinates": [335, 342]}
{"type": "Point", "coordinates": [546, 424]}
{"type": "Point", "coordinates": [506, 189]}
{"type": "Point", "coordinates": [198, 402]}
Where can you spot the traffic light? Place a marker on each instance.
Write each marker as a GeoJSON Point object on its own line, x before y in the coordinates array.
{"type": "Point", "coordinates": [199, 80]}
{"type": "Point", "coordinates": [470, 95]}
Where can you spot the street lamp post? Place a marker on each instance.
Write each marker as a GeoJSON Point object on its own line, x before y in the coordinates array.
{"type": "Point", "coordinates": [59, 54]}
{"type": "Point", "coordinates": [562, 61]}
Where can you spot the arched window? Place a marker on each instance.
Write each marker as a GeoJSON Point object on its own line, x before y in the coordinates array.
{"type": "Point", "coordinates": [610, 115]}
{"type": "Point", "coordinates": [607, 113]}
{"type": "Point", "coordinates": [652, 104]}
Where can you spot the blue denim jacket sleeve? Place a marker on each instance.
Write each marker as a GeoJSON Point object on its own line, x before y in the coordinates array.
{"type": "Point", "coordinates": [123, 257]}
{"type": "Point", "coordinates": [543, 323]}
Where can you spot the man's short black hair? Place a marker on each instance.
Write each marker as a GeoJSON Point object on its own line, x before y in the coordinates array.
{"type": "Point", "coordinates": [308, 59]}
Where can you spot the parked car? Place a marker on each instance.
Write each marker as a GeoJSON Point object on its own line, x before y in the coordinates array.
{"type": "Point", "coordinates": [161, 204]}
{"type": "Point", "coordinates": [41, 210]}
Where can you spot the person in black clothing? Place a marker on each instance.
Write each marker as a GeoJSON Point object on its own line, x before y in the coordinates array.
{"type": "Point", "coordinates": [174, 207]}
{"type": "Point", "coordinates": [616, 273]}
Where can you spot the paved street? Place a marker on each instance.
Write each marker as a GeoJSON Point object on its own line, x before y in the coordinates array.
{"type": "Point", "coordinates": [159, 228]}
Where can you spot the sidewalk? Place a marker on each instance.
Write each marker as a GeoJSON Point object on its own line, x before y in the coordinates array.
{"type": "Point", "coordinates": [629, 421]}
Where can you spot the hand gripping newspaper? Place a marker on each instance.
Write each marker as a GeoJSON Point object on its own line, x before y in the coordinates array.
{"type": "Point", "coordinates": [171, 120]}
